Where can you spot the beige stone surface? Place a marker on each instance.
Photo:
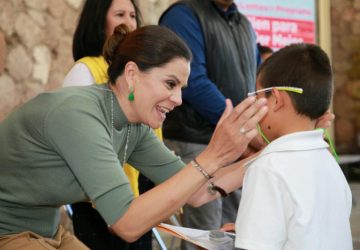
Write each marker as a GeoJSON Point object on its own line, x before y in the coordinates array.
{"type": "Point", "coordinates": [345, 31]}
{"type": "Point", "coordinates": [63, 61]}
{"type": "Point", "coordinates": [36, 4]}
{"type": "Point", "coordinates": [342, 106]}
{"type": "Point", "coordinates": [38, 17]}
{"type": "Point", "coordinates": [357, 5]}
{"type": "Point", "coordinates": [54, 32]}
{"type": "Point", "coordinates": [75, 4]}
{"type": "Point", "coordinates": [28, 30]}
{"type": "Point", "coordinates": [42, 64]}
{"type": "Point", "coordinates": [30, 89]}
{"type": "Point", "coordinates": [152, 9]}
{"type": "Point", "coordinates": [7, 17]}
{"type": "Point", "coordinates": [69, 19]}
{"type": "Point", "coordinates": [340, 80]}
{"type": "Point", "coordinates": [345, 131]}
{"type": "Point", "coordinates": [353, 89]}
{"type": "Point", "coordinates": [356, 27]}
{"type": "Point", "coordinates": [3, 52]}
{"type": "Point", "coordinates": [9, 95]}
{"type": "Point", "coordinates": [57, 8]}
{"type": "Point", "coordinates": [19, 63]}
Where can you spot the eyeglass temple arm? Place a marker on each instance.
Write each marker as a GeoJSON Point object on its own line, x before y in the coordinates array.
{"type": "Point", "coordinates": [284, 88]}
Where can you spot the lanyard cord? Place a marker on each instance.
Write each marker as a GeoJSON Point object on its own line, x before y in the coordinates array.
{"type": "Point", "coordinates": [331, 144]}
{"type": "Point", "coordinates": [326, 135]}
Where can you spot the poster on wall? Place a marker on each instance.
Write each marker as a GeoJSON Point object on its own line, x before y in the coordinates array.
{"type": "Point", "coordinates": [281, 22]}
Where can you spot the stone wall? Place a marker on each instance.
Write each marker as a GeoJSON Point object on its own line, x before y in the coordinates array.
{"type": "Point", "coordinates": [35, 47]}
{"type": "Point", "coordinates": [35, 54]}
{"type": "Point", "coordinates": [345, 27]}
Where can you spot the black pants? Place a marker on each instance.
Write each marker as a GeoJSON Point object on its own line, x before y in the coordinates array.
{"type": "Point", "coordinates": [92, 230]}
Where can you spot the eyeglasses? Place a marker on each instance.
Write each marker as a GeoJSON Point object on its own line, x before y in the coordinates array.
{"type": "Point", "coordinates": [283, 88]}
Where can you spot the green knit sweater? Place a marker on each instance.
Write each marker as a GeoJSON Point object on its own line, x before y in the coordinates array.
{"type": "Point", "coordinates": [57, 149]}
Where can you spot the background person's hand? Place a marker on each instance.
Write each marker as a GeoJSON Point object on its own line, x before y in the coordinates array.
{"type": "Point", "coordinates": [325, 120]}
{"type": "Point", "coordinates": [228, 227]}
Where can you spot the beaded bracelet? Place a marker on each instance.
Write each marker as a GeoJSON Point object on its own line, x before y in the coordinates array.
{"type": "Point", "coordinates": [195, 164]}
{"type": "Point", "coordinates": [212, 188]}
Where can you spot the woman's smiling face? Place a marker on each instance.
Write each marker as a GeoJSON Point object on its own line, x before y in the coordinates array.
{"type": "Point", "coordinates": [120, 12]}
{"type": "Point", "coordinates": [158, 91]}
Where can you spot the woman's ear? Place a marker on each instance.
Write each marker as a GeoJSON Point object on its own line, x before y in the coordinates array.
{"type": "Point", "coordinates": [131, 73]}
{"type": "Point", "coordinates": [278, 99]}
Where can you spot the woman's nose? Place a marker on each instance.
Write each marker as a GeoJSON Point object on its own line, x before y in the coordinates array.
{"type": "Point", "coordinates": [130, 22]}
{"type": "Point", "coordinates": [176, 98]}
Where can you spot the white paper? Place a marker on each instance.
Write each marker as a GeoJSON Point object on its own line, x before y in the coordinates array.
{"type": "Point", "coordinates": [199, 237]}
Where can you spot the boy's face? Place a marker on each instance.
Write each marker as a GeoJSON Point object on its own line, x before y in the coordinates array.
{"type": "Point", "coordinates": [268, 123]}
{"type": "Point", "coordinates": [282, 117]}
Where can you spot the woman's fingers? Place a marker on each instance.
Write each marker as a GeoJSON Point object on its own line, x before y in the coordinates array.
{"type": "Point", "coordinates": [248, 116]}
{"type": "Point", "coordinates": [242, 107]}
{"type": "Point", "coordinates": [228, 110]}
{"type": "Point", "coordinates": [248, 126]}
{"type": "Point", "coordinates": [236, 130]}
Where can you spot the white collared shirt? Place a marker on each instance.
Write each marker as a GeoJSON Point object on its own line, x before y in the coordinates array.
{"type": "Point", "coordinates": [295, 196]}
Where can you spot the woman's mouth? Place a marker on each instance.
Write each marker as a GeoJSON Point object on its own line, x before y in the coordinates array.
{"type": "Point", "coordinates": [163, 111]}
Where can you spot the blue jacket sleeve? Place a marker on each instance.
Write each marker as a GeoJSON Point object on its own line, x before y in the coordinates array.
{"type": "Point", "coordinates": [201, 93]}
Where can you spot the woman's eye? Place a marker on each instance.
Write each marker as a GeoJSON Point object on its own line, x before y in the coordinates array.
{"type": "Point", "coordinates": [133, 16]}
{"type": "Point", "coordinates": [171, 84]}
{"type": "Point", "coordinates": [120, 14]}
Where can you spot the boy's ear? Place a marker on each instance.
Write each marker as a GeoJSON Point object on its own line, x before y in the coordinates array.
{"type": "Point", "coordinates": [278, 99]}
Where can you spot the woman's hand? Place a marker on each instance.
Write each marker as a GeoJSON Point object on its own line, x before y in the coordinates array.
{"type": "Point", "coordinates": [236, 128]}
{"type": "Point", "coordinates": [254, 147]}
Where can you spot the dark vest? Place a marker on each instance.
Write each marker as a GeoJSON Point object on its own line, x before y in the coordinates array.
{"type": "Point", "coordinates": [230, 45]}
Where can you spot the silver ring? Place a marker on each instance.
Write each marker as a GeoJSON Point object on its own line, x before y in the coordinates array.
{"type": "Point", "coordinates": [242, 130]}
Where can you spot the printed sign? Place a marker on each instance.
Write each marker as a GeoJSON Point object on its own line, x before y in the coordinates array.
{"type": "Point", "coordinates": [281, 22]}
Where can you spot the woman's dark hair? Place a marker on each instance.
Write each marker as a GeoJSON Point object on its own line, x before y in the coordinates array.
{"type": "Point", "coordinates": [150, 46]}
{"type": "Point", "coordinates": [89, 37]}
{"type": "Point", "coordinates": [304, 66]}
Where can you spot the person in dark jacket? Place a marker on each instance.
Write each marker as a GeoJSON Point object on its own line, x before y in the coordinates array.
{"type": "Point", "coordinates": [225, 59]}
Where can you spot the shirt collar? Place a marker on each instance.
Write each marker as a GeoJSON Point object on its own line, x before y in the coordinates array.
{"type": "Point", "coordinates": [299, 141]}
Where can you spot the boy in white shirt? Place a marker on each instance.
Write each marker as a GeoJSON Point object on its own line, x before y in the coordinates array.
{"type": "Point", "coordinates": [295, 195]}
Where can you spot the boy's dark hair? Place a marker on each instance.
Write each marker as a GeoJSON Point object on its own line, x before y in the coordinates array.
{"type": "Point", "coordinates": [89, 37]}
{"type": "Point", "coordinates": [305, 66]}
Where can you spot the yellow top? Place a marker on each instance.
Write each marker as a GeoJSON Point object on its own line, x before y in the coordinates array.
{"type": "Point", "coordinates": [98, 68]}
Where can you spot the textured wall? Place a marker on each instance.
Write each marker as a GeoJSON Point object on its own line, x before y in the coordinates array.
{"type": "Point", "coordinates": [35, 54]}
{"type": "Point", "coordinates": [345, 27]}
{"type": "Point", "coordinates": [35, 47]}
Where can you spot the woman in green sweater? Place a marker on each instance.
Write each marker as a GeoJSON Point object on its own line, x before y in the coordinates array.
{"type": "Point", "coordinates": [70, 145]}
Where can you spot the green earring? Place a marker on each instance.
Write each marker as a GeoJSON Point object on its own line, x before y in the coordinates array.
{"type": "Point", "coordinates": [131, 96]}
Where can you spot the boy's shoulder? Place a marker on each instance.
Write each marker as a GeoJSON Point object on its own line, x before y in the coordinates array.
{"type": "Point", "coordinates": [291, 149]}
